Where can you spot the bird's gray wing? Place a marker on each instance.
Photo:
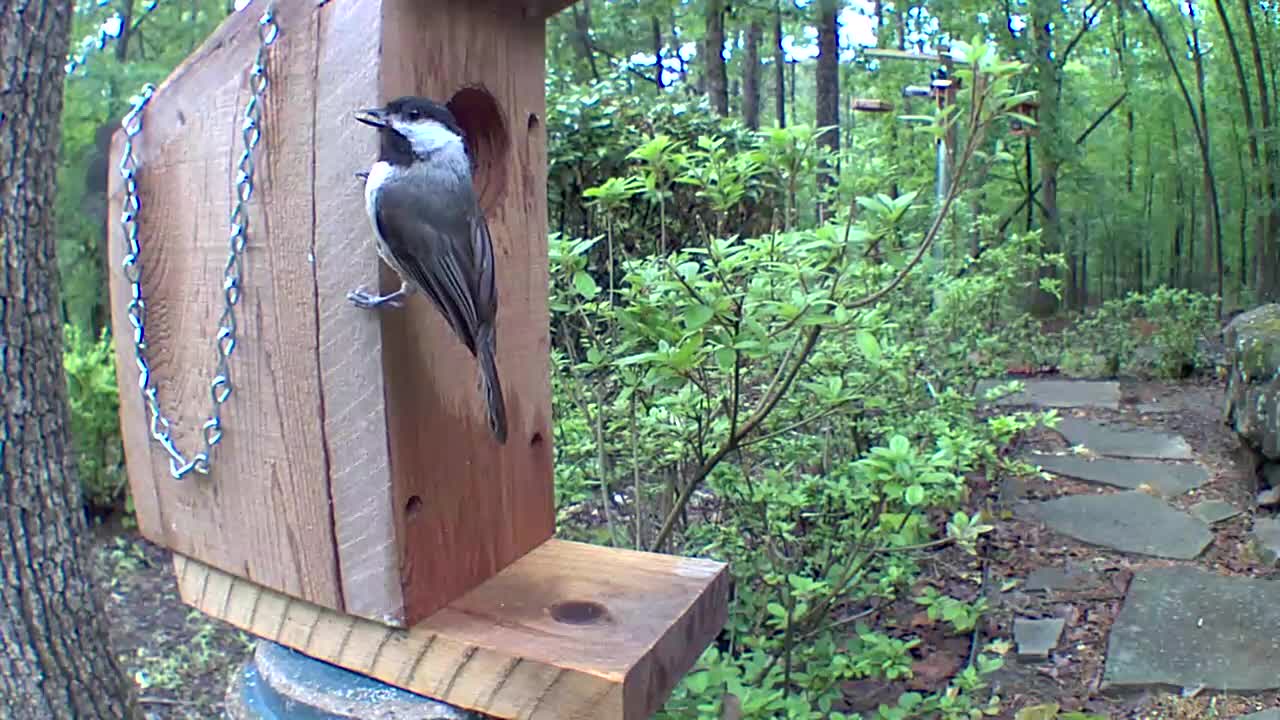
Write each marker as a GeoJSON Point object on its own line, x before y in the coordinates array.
{"type": "Point", "coordinates": [436, 249]}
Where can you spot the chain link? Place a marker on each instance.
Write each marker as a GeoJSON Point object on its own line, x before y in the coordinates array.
{"type": "Point", "coordinates": [220, 386]}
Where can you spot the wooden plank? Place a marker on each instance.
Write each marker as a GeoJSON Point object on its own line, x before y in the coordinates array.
{"type": "Point", "coordinates": [264, 511]}
{"type": "Point", "coordinates": [543, 9]}
{"type": "Point", "coordinates": [465, 506]}
{"type": "Point", "coordinates": [568, 632]}
{"type": "Point", "coordinates": [350, 344]}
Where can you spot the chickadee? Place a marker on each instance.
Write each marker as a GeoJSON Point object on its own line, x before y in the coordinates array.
{"type": "Point", "coordinates": [431, 231]}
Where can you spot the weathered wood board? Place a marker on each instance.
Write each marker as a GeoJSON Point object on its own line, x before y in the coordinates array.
{"type": "Point", "coordinates": [568, 632]}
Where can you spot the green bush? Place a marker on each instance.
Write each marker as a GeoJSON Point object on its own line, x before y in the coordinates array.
{"type": "Point", "coordinates": [792, 383]}
{"type": "Point", "coordinates": [95, 419]}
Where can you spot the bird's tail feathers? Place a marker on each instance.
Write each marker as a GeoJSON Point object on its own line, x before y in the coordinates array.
{"type": "Point", "coordinates": [486, 351]}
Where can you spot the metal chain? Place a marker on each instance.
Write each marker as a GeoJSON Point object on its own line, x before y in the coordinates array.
{"type": "Point", "coordinates": [98, 43]}
{"type": "Point", "coordinates": [220, 386]}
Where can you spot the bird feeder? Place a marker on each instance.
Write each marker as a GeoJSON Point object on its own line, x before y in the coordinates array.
{"type": "Point", "coordinates": [354, 504]}
{"type": "Point", "coordinates": [874, 105]}
{"type": "Point", "coordinates": [1026, 108]}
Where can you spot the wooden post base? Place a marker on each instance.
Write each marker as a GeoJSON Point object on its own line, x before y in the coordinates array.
{"type": "Point", "coordinates": [569, 631]}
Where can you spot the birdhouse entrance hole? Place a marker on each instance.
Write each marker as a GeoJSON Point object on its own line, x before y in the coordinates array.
{"type": "Point", "coordinates": [488, 142]}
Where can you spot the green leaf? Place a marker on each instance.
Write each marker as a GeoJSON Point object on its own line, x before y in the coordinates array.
{"type": "Point", "coordinates": [869, 346]}
{"type": "Point", "coordinates": [914, 495]}
{"type": "Point", "coordinates": [585, 285]}
{"type": "Point", "coordinates": [695, 316]}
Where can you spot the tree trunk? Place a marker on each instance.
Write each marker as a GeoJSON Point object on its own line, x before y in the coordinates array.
{"type": "Point", "coordinates": [1267, 284]}
{"type": "Point", "coordinates": [55, 658]}
{"type": "Point", "coordinates": [657, 53]}
{"type": "Point", "coordinates": [751, 76]}
{"type": "Point", "coordinates": [1044, 15]}
{"type": "Point", "coordinates": [713, 48]}
{"type": "Point", "coordinates": [1213, 214]}
{"type": "Point", "coordinates": [1251, 141]}
{"type": "Point", "coordinates": [582, 29]}
{"type": "Point", "coordinates": [779, 67]}
{"type": "Point", "coordinates": [828, 73]}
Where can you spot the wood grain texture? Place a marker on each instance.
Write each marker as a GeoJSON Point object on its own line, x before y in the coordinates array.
{"type": "Point", "coordinates": [500, 649]}
{"type": "Point", "coordinates": [466, 506]}
{"type": "Point", "coordinates": [264, 511]}
{"type": "Point", "coordinates": [350, 340]}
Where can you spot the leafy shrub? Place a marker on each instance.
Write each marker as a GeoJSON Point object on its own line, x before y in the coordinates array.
{"type": "Point", "coordinates": [95, 419]}
{"type": "Point", "coordinates": [791, 382]}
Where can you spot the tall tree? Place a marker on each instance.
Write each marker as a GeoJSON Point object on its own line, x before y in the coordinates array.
{"type": "Point", "coordinates": [1048, 78]}
{"type": "Point", "coordinates": [751, 74]}
{"type": "Point", "coordinates": [1268, 245]}
{"type": "Point", "coordinates": [56, 660]}
{"type": "Point", "coordinates": [828, 71]}
{"type": "Point", "coordinates": [779, 67]}
{"type": "Point", "coordinates": [713, 48]}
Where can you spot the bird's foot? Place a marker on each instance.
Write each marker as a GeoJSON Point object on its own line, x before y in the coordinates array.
{"type": "Point", "coordinates": [367, 301]}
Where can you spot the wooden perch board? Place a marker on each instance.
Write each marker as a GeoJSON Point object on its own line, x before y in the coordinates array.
{"type": "Point", "coordinates": [568, 632]}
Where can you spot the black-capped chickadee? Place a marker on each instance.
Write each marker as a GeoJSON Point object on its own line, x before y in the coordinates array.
{"type": "Point", "coordinates": [431, 230]}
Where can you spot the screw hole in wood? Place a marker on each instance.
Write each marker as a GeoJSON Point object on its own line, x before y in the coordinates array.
{"type": "Point", "coordinates": [578, 612]}
{"type": "Point", "coordinates": [413, 507]}
{"type": "Point", "coordinates": [485, 128]}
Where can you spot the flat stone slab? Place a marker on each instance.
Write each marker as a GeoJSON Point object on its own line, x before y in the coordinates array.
{"type": "Point", "coordinates": [1132, 522]}
{"type": "Point", "coordinates": [1188, 627]}
{"type": "Point", "coordinates": [1057, 393]}
{"type": "Point", "coordinates": [1037, 638]}
{"type": "Point", "coordinates": [1266, 539]}
{"type": "Point", "coordinates": [1056, 577]}
{"type": "Point", "coordinates": [1168, 479]}
{"type": "Point", "coordinates": [1215, 511]}
{"type": "Point", "coordinates": [1264, 715]}
{"type": "Point", "coordinates": [1119, 440]}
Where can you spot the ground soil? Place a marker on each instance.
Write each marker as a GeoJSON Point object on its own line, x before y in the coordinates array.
{"type": "Point", "coordinates": [180, 659]}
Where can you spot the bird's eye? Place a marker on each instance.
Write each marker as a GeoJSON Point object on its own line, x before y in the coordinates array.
{"type": "Point", "coordinates": [414, 115]}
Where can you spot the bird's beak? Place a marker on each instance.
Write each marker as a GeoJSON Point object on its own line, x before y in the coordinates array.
{"type": "Point", "coordinates": [372, 116]}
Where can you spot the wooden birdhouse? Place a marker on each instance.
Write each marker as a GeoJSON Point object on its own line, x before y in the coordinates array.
{"type": "Point", "coordinates": [1027, 108]}
{"type": "Point", "coordinates": [355, 505]}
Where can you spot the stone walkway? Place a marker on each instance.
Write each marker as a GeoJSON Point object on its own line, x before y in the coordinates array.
{"type": "Point", "coordinates": [1183, 622]}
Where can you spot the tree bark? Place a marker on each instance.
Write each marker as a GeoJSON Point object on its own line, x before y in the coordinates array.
{"type": "Point", "coordinates": [657, 53]}
{"type": "Point", "coordinates": [582, 28]}
{"type": "Point", "coordinates": [1251, 141]}
{"type": "Point", "coordinates": [1213, 216]}
{"type": "Point", "coordinates": [779, 67]}
{"type": "Point", "coordinates": [55, 657]}
{"type": "Point", "coordinates": [713, 48]}
{"type": "Point", "coordinates": [1267, 282]}
{"type": "Point", "coordinates": [828, 73]}
{"type": "Point", "coordinates": [751, 76]}
{"type": "Point", "coordinates": [1044, 16]}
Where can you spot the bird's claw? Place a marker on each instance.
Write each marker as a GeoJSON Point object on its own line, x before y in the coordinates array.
{"type": "Point", "coordinates": [367, 301]}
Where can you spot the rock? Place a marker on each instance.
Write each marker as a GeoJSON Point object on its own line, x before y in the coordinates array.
{"type": "Point", "coordinates": [1253, 388]}
{"type": "Point", "coordinates": [1269, 497]}
{"type": "Point", "coordinates": [1184, 626]}
{"type": "Point", "coordinates": [1272, 714]}
{"type": "Point", "coordinates": [1266, 539]}
{"type": "Point", "coordinates": [1132, 522]}
{"type": "Point", "coordinates": [1214, 511]}
{"type": "Point", "coordinates": [1036, 638]}
{"type": "Point", "coordinates": [1168, 479]}
{"type": "Point", "coordinates": [1119, 440]}
{"type": "Point", "coordinates": [1046, 393]}
{"type": "Point", "coordinates": [1054, 577]}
